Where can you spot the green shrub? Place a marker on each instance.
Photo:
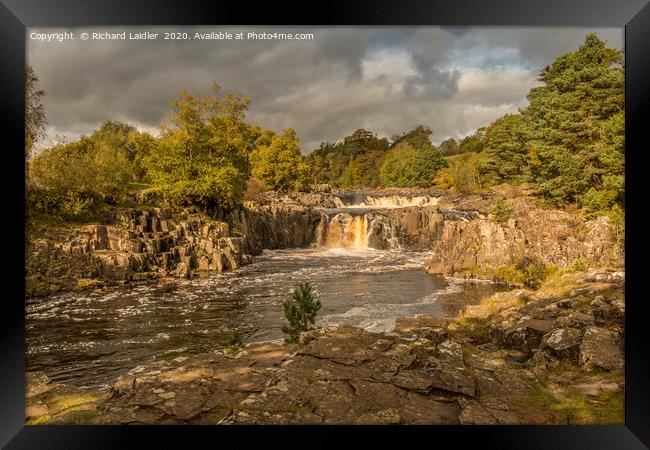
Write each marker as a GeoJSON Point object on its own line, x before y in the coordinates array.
{"type": "Point", "coordinates": [508, 275]}
{"type": "Point", "coordinates": [579, 265]}
{"type": "Point", "coordinates": [300, 311]}
{"type": "Point", "coordinates": [501, 211]}
{"type": "Point", "coordinates": [66, 204]}
{"type": "Point", "coordinates": [527, 271]}
{"type": "Point", "coordinates": [72, 180]}
{"type": "Point", "coordinates": [596, 202]}
{"type": "Point", "coordinates": [532, 270]}
{"type": "Point", "coordinates": [234, 342]}
{"type": "Point", "coordinates": [466, 176]}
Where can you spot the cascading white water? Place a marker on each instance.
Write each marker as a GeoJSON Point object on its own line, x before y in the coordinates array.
{"type": "Point", "coordinates": [343, 230]}
{"type": "Point", "coordinates": [358, 231]}
{"type": "Point", "coordinates": [384, 201]}
{"type": "Point", "coordinates": [357, 221]}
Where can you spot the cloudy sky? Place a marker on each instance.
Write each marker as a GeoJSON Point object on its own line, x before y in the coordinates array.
{"type": "Point", "coordinates": [384, 79]}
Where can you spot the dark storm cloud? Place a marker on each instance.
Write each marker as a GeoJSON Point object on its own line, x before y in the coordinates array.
{"type": "Point", "coordinates": [384, 79]}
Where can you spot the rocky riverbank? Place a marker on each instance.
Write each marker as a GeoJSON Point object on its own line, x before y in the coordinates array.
{"type": "Point", "coordinates": [467, 241]}
{"type": "Point", "coordinates": [476, 246]}
{"type": "Point", "coordinates": [146, 243]}
{"type": "Point", "coordinates": [549, 356]}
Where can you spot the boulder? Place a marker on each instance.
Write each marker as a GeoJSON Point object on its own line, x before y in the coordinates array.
{"type": "Point", "coordinates": [526, 335]}
{"type": "Point", "coordinates": [563, 343]}
{"type": "Point", "coordinates": [601, 349]}
{"type": "Point", "coordinates": [606, 310]}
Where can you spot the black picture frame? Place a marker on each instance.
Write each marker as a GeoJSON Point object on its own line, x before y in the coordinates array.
{"type": "Point", "coordinates": [15, 15]}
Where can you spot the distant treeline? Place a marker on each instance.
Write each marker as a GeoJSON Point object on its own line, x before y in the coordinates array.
{"type": "Point", "coordinates": [569, 142]}
{"type": "Point", "coordinates": [362, 159]}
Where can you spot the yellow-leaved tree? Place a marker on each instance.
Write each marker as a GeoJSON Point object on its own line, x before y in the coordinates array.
{"type": "Point", "coordinates": [277, 161]}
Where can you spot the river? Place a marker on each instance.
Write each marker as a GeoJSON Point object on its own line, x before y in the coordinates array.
{"type": "Point", "coordinates": [89, 339]}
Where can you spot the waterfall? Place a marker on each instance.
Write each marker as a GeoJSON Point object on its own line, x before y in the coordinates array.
{"type": "Point", "coordinates": [360, 236]}
{"type": "Point", "coordinates": [357, 231]}
{"type": "Point", "coordinates": [362, 221]}
{"type": "Point", "coordinates": [343, 230]}
{"type": "Point", "coordinates": [384, 201]}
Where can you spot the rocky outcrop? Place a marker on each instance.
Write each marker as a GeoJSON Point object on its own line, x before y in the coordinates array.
{"type": "Point", "coordinates": [140, 244]}
{"type": "Point", "coordinates": [466, 241]}
{"type": "Point", "coordinates": [150, 243]}
{"type": "Point", "coordinates": [275, 225]}
{"type": "Point", "coordinates": [551, 329]}
{"type": "Point", "coordinates": [476, 248]}
{"type": "Point", "coordinates": [419, 227]}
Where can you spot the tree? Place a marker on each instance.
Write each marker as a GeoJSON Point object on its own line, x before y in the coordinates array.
{"type": "Point", "coordinates": [449, 147]}
{"type": "Point", "coordinates": [570, 139]}
{"type": "Point", "coordinates": [235, 342]}
{"type": "Point", "coordinates": [504, 156]}
{"type": "Point", "coordinates": [348, 175]}
{"type": "Point", "coordinates": [202, 158]}
{"type": "Point", "coordinates": [34, 113]}
{"type": "Point", "coordinates": [300, 311]}
{"type": "Point", "coordinates": [354, 161]}
{"type": "Point", "coordinates": [466, 176]}
{"type": "Point", "coordinates": [136, 145]}
{"type": "Point", "coordinates": [278, 163]}
{"type": "Point", "coordinates": [418, 137]}
{"type": "Point", "coordinates": [473, 142]}
{"type": "Point", "coordinates": [501, 211]}
{"type": "Point", "coordinates": [413, 161]}
{"type": "Point", "coordinates": [71, 179]}
{"type": "Point", "coordinates": [397, 169]}
{"type": "Point", "coordinates": [576, 124]}
{"type": "Point", "coordinates": [139, 146]}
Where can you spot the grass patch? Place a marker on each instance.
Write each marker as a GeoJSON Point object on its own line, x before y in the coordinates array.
{"type": "Point", "coordinates": [476, 328]}
{"type": "Point", "coordinates": [84, 284]}
{"type": "Point", "coordinates": [527, 271]}
{"type": "Point", "coordinates": [75, 415]}
{"type": "Point", "coordinates": [69, 401]}
{"type": "Point", "coordinates": [45, 418]}
{"type": "Point", "coordinates": [581, 409]}
{"type": "Point", "coordinates": [508, 275]}
{"type": "Point", "coordinates": [560, 284]}
{"type": "Point", "coordinates": [573, 407]}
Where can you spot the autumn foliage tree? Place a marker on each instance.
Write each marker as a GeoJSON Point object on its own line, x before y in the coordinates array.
{"type": "Point", "coordinates": [278, 162]}
{"type": "Point", "coordinates": [202, 157]}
